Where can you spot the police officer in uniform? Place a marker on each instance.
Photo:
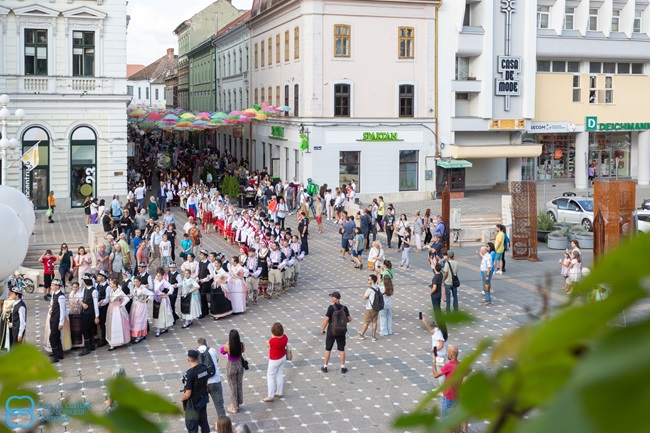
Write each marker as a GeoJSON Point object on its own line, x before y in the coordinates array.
{"type": "Point", "coordinates": [89, 314]}
{"type": "Point", "coordinates": [57, 316]}
{"type": "Point", "coordinates": [103, 299]}
{"type": "Point", "coordinates": [176, 281]}
{"type": "Point", "coordinates": [206, 270]}
{"type": "Point", "coordinates": [195, 395]}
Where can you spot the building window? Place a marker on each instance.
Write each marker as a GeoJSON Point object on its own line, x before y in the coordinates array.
{"type": "Point", "coordinates": [543, 66]}
{"type": "Point", "coordinates": [573, 66]}
{"type": "Point", "coordinates": [637, 68]}
{"type": "Point", "coordinates": [296, 158]}
{"type": "Point", "coordinates": [593, 89]}
{"type": "Point", "coordinates": [296, 43]}
{"type": "Point", "coordinates": [270, 101]}
{"type": "Point", "coordinates": [349, 168]}
{"type": "Point", "coordinates": [277, 49]}
{"type": "Point", "coordinates": [569, 17]}
{"type": "Point", "coordinates": [406, 42]}
{"type": "Point", "coordinates": [406, 96]}
{"type": "Point", "coordinates": [129, 90]}
{"type": "Point", "coordinates": [623, 68]}
{"type": "Point", "coordinates": [156, 98]}
{"type": "Point", "coordinates": [139, 92]}
{"type": "Point", "coordinates": [593, 20]}
{"type": "Point", "coordinates": [462, 68]}
{"type": "Point", "coordinates": [636, 27]}
{"type": "Point", "coordinates": [146, 92]}
{"type": "Point", "coordinates": [559, 66]}
{"type": "Point", "coordinates": [36, 183]}
{"type": "Point", "coordinates": [616, 20]}
{"type": "Point", "coordinates": [286, 98]}
{"type": "Point", "coordinates": [83, 54]}
{"type": "Point", "coordinates": [263, 95]}
{"type": "Point", "coordinates": [277, 96]}
{"type": "Point", "coordinates": [262, 54]}
{"type": "Point", "coordinates": [83, 155]}
{"type": "Point", "coordinates": [467, 17]}
{"type": "Point", "coordinates": [609, 90]}
{"type": "Point", "coordinates": [35, 52]}
{"type": "Point", "coordinates": [341, 100]}
{"type": "Point", "coordinates": [255, 56]}
{"type": "Point", "coordinates": [296, 100]}
{"type": "Point", "coordinates": [576, 88]}
{"type": "Point", "coordinates": [543, 16]}
{"type": "Point", "coordinates": [595, 67]}
{"type": "Point", "coordinates": [342, 40]}
{"type": "Point", "coordinates": [609, 68]}
{"type": "Point", "coordinates": [286, 46]}
{"type": "Point", "coordinates": [269, 46]}
{"type": "Point", "coordinates": [408, 170]}
{"type": "Point", "coordinates": [256, 101]}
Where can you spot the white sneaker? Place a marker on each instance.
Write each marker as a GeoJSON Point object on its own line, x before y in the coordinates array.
{"type": "Point", "coordinates": [498, 272]}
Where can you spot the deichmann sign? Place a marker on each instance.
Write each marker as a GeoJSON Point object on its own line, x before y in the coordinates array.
{"type": "Point", "coordinates": [277, 132]}
{"type": "Point", "coordinates": [379, 136]}
{"type": "Point", "coordinates": [591, 124]}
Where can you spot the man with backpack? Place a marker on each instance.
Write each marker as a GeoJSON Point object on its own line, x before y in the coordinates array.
{"type": "Point", "coordinates": [336, 320]}
{"type": "Point", "coordinates": [374, 304]}
{"type": "Point", "coordinates": [208, 357]}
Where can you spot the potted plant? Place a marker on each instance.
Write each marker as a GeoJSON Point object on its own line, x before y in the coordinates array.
{"type": "Point", "coordinates": [586, 240]}
{"type": "Point", "coordinates": [544, 226]}
{"type": "Point", "coordinates": [575, 230]}
{"type": "Point", "coordinates": [558, 240]}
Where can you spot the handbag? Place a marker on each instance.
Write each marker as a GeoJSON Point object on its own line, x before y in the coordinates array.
{"type": "Point", "coordinates": [454, 278]}
{"type": "Point", "coordinates": [244, 362]}
{"type": "Point", "coordinates": [48, 212]}
{"type": "Point", "coordinates": [289, 354]}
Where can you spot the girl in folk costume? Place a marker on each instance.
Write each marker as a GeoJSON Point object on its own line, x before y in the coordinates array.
{"type": "Point", "coordinates": [208, 214]}
{"type": "Point", "coordinates": [182, 197]}
{"type": "Point", "coordinates": [169, 187]}
{"type": "Point", "coordinates": [252, 272]}
{"type": "Point", "coordinates": [262, 256]}
{"type": "Point", "coordinates": [118, 328]}
{"type": "Point", "coordinates": [289, 266]}
{"type": "Point", "coordinates": [75, 299]}
{"type": "Point", "coordinates": [201, 211]}
{"type": "Point", "coordinates": [192, 201]}
{"type": "Point", "coordinates": [299, 256]}
{"type": "Point", "coordinates": [243, 256]}
{"type": "Point", "coordinates": [190, 299]}
{"type": "Point", "coordinates": [237, 286]}
{"type": "Point", "coordinates": [162, 308]}
{"type": "Point", "coordinates": [220, 305]}
{"type": "Point", "coordinates": [139, 322]}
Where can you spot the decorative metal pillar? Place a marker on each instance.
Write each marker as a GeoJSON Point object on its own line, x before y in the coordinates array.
{"type": "Point", "coordinates": [446, 214]}
{"type": "Point", "coordinates": [524, 220]}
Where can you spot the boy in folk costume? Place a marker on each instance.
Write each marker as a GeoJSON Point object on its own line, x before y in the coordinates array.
{"type": "Point", "coordinates": [288, 267]}
{"type": "Point", "coordinates": [299, 256]}
{"type": "Point", "coordinates": [253, 270]}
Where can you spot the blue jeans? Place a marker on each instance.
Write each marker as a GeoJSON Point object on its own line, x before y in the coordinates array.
{"type": "Point", "coordinates": [386, 321]}
{"type": "Point", "coordinates": [447, 405]}
{"type": "Point", "coordinates": [64, 270]}
{"type": "Point", "coordinates": [486, 282]}
{"type": "Point", "coordinates": [216, 392]}
{"type": "Point", "coordinates": [450, 290]}
{"type": "Point", "coordinates": [141, 203]}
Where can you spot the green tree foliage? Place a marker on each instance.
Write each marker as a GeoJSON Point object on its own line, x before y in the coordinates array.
{"type": "Point", "coordinates": [25, 365]}
{"type": "Point", "coordinates": [575, 370]}
{"type": "Point", "coordinates": [230, 187]}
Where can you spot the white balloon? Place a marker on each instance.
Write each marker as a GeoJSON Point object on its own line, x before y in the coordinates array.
{"type": "Point", "coordinates": [20, 203]}
{"type": "Point", "coordinates": [14, 240]}
{"type": "Point", "coordinates": [585, 272]}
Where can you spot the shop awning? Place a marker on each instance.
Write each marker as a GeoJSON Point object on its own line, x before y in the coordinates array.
{"type": "Point", "coordinates": [454, 163]}
{"type": "Point", "coordinates": [496, 151]}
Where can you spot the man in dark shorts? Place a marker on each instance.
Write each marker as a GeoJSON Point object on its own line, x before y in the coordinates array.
{"type": "Point", "coordinates": [195, 395]}
{"type": "Point", "coordinates": [334, 328]}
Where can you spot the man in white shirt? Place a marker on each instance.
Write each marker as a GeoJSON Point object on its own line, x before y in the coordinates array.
{"type": "Point", "coordinates": [214, 382]}
{"type": "Point", "coordinates": [370, 315]}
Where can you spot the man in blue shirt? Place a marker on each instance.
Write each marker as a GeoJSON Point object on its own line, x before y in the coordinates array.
{"type": "Point", "coordinates": [347, 233]}
{"type": "Point", "coordinates": [440, 227]}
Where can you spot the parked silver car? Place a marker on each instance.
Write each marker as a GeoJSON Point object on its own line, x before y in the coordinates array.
{"type": "Point", "coordinates": [643, 220]}
{"type": "Point", "coordinates": [572, 210]}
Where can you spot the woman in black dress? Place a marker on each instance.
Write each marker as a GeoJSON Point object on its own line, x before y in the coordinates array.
{"type": "Point", "coordinates": [220, 305]}
{"type": "Point", "coordinates": [171, 237]}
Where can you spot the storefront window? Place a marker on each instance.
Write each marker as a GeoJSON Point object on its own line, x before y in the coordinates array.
{"type": "Point", "coordinates": [83, 165]}
{"type": "Point", "coordinates": [528, 168]}
{"type": "Point", "coordinates": [36, 183]}
{"type": "Point", "coordinates": [557, 160]}
{"type": "Point", "coordinates": [609, 154]}
{"type": "Point", "coordinates": [349, 168]}
{"type": "Point", "coordinates": [408, 170]}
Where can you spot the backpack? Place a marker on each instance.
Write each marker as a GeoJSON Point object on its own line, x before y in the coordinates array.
{"type": "Point", "coordinates": [312, 189]}
{"type": "Point", "coordinates": [206, 359]}
{"type": "Point", "coordinates": [378, 300]}
{"type": "Point", "coordinates": [339, 323]}
{"type": "Point", "coordinates": [445, 232]}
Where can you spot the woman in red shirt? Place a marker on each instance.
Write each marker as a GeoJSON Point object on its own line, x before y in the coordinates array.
{"type": "Point", "coordinates": [277, 358]}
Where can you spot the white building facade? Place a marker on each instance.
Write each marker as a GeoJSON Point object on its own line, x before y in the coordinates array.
{"type": "Point", "coordinates": [65, 65]}
{"type": "Point", "coordinates": [359, 77]}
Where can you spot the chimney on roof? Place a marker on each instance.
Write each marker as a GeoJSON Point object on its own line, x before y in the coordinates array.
{"type": "Point", "coordinates": [170, 53]}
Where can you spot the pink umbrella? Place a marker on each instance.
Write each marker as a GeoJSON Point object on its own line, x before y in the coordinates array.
{"type": "Point", "coordinates": [155, 116]}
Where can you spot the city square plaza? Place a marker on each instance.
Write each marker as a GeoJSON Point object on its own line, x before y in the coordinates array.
{"type": "Point", "coordinates": [386, 378]}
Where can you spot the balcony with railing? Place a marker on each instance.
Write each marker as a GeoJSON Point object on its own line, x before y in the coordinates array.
{"type": "Point", "coordinates": [32, 84]}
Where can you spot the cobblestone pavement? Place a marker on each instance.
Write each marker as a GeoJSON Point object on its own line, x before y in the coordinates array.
{"type": "Point", "coordinates": [386, 378]}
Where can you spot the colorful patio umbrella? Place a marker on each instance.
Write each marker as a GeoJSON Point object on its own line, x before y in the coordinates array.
{"type": "Point", "coordinates": [188, 116]}
{"type": "Point", "coordinates": [219, 115]}
{"type": "Point", "coordinates": [138, 113]}
{"type": "Point", "coordinates": [284, 108]}
{"type": "Point", "coordinates": [244, 119]}
{"type": "Point", "coordinates": [261, 116]}
{"type": "Point", "coordinates": [235, 113]}
{"type": "Point", "coordinates": [203, 116]}
{"type": "Point", "coordinates": [257, 107]}
{"type": "Point", "coordinates": [155, 115]}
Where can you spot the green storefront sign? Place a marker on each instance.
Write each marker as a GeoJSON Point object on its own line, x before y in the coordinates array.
{"type": "Point", "coordinates": [379, 136]}
{"type": "Point", "coordinates": [591, 124]}
{"type": "Point", "coordinates": [277, 132]}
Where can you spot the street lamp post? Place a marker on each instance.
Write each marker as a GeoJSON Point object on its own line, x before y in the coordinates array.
{"type": "Point", "coordinates": [6, 143]}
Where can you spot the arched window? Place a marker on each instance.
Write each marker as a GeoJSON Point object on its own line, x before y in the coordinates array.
{"type": "Point", "coordinates": [36, 183]}
{"type": "Point", "coordinates": [83, 165]}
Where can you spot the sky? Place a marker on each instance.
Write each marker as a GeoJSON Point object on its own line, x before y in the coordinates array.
{"type": "Point", "coordinates": [152, 24]}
